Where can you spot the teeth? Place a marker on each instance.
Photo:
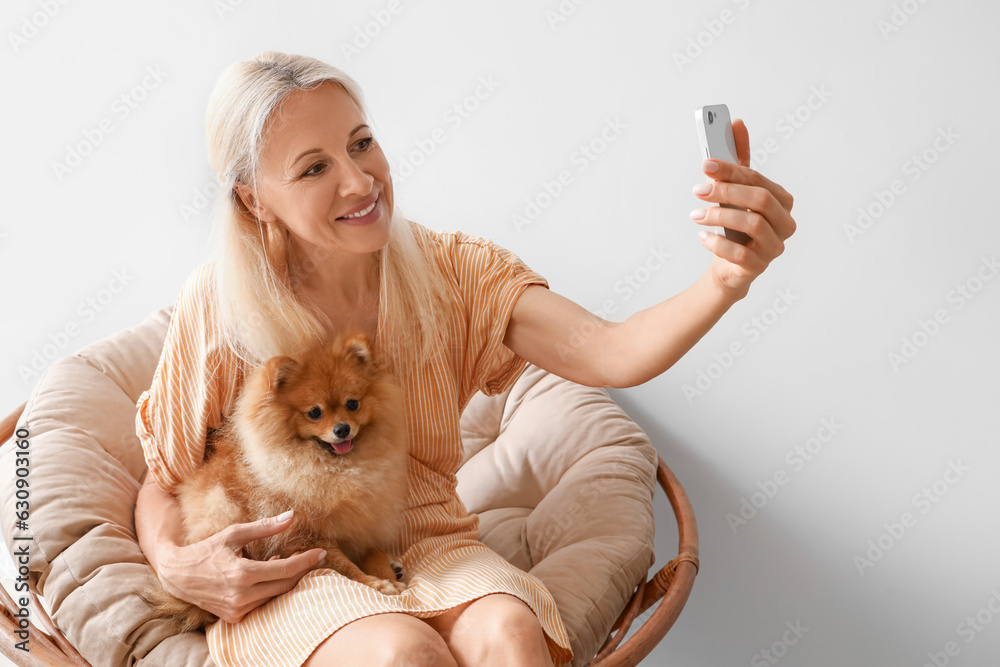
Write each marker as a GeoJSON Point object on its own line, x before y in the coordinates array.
{"type": "Point", "coordinates": [361, 214]}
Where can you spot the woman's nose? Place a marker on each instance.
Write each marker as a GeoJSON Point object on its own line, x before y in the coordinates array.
{"type": "Point", "coordinates": [354, 181]}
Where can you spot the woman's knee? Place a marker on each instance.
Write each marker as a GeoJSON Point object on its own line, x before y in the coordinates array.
{"type": "Point", "coordinates": [497, 629]}
{"type": "Point", "coordinates": [511, 621]}
{"type": "Point", "coordinates": [389, 640]}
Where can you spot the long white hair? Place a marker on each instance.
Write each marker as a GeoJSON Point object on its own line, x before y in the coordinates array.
{"type": "Point", "coordinates": [260, 315]}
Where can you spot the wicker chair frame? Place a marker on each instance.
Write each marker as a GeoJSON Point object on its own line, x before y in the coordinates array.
{"type": "Point", "coordinates": [670, 587]}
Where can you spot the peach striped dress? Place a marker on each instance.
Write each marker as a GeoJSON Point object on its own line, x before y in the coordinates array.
{"type": "Point", "coordinates": [196, 382]}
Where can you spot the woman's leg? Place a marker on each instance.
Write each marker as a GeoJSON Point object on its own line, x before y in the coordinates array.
{"type": "Point", "coordinates": [383, 640]}
{"type": "Point", "coordinates": [497, 630]}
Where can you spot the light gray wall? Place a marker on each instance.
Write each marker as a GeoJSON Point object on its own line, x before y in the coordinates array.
{"type": "Point", "coordinates": [840, 350]}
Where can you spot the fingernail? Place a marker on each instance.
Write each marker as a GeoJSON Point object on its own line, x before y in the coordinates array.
{"type": "Point", "coordinates": [703, 235]}
{"type": "Point", "coordinates": [703, 188]}
{"type": "Point", "coordinates": [710, 166]}
{"type": "Point", "coordinates": [285, 515]}
{"type": "Point", "coordinates": [698, 214]}
{"type": "Point", "coordinates": [322, 556]}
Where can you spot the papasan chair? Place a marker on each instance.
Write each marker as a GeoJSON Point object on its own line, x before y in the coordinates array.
{"type": "Point", "coordinates": [561, 478]}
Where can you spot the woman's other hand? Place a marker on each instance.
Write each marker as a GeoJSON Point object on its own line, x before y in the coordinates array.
{"type": "Point", "coordinates": [213, 575]}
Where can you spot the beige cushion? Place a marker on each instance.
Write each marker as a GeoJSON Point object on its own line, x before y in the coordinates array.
{"type": "Point", "coordinates": [560, 477]}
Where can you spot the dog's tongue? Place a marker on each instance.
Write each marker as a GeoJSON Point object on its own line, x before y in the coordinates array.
{"type": "Point", "coordinates": [342, 447]}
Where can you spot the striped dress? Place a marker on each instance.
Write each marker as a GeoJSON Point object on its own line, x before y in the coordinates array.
{"type": "Point", "coordinates": [194, 387]}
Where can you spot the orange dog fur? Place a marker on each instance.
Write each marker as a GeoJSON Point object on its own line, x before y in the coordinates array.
{"type": "Point", "coordinates": [323, 434]}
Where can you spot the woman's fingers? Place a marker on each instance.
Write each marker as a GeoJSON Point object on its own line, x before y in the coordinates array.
{"type": "Point", "coordinates": [744, 175]}
{"type": "Point", "coordinates": [267, 579]}
{"type": "Point", "coordinates": [742, 137]}
{"type": "Point", "coordinates": [239, 535]}
{"type": "Point", "coordinates": [747, 259]}
{"type": "Point", "coordinates": [741, 220]}
{"type": "Point", "coordinates": [283, 568]}
{"type": "Point", "coordinates": [265, 590]}
{"type": "Point", "coordinates": [754, 205]}
{"type": "Point", "coordinates": [755, 198]}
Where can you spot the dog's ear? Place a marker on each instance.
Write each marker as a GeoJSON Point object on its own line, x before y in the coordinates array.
{"type": "Point", "coordinates": [278, 370]}
{"type": "Point", "coordinates": [357, 347]}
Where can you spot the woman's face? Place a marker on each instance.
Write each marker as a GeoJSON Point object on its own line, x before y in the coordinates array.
{"type": "Point", "coordinates": [320, 167]}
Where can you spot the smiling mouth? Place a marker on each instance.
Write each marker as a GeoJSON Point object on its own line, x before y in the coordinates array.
{"type": "Point", "coordinates": [340, 447]}
{"type": "Point", "coordinates": [362, 213]}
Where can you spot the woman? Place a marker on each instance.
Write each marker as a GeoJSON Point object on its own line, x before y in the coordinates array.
{"type": "Point", "coordinates": [312, 245]}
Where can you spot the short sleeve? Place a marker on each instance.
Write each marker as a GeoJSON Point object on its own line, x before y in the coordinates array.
{"type": "Point", "coordinates": [192, 387]}
{"type": "Point", "coordinates": [490, 280]}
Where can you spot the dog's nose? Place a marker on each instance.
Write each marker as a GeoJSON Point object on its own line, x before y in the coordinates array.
{"type": "Point", "coordinates": [342, 430]}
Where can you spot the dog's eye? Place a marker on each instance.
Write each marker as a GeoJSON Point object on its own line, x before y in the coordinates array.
{"type": "Point", "coordinates": [315, 413]}
{"type": "Point", "coordinates": [352, 404]}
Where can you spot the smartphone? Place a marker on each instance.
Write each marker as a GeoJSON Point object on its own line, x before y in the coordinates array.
{"type": "Point", "coordinates": [715, 133]}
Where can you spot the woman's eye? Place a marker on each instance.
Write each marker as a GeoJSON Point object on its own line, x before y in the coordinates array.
{"type": "Point", "coordinates": [352, 404]}
{"type": "Point", "coordinates": [366, 144]}
{"type": "Point", "coordinates": [311, 172]}
{"type": "Point", "coordinates": [315, 413]}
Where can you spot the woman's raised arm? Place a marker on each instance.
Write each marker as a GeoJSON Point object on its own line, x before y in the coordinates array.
{"type": "Point", "coordinates": [562, 337]}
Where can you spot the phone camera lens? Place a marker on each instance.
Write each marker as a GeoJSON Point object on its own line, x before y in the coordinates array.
{"type": "Point", "coordinates": [711, 117]}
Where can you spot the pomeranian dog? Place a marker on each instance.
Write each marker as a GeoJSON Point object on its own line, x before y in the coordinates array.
{"type": "Point", "coordinates": [324, 434]}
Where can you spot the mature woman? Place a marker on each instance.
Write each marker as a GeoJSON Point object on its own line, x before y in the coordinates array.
{"type": "Point", "coordinates": [312, 245]}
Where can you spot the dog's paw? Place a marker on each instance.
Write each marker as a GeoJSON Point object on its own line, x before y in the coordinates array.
{"type": "Point", "coordinates": [398, 569]}
{"type": "Point", "coordinates": [387, 587]}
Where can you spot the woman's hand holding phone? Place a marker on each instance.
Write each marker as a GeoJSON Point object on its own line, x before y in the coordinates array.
{"type": "Point", "coordinates": [761, 210]}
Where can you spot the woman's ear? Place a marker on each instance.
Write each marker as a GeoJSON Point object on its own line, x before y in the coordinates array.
{"type": "Point", "coordinates": [247, 195]}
